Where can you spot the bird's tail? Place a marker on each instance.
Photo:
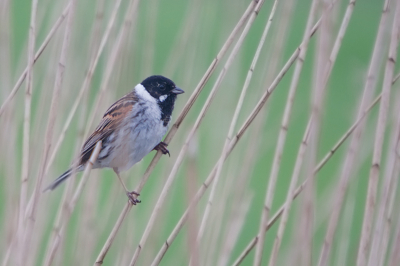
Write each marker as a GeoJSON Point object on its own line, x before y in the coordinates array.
{"type": "Point", "coordinates": [62, 178]}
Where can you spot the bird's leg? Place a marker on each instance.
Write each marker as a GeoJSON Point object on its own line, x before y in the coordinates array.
{"type": "Point", "coordinates": [132, 195]}
{"type": "Point", "coordinates": [162, 146]}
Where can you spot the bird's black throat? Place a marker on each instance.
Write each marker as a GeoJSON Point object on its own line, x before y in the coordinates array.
{"type": "Point", "coordinates": [167, 106]}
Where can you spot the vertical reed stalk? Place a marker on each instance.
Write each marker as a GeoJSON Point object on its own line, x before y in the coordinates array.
{"type": "Point", "coordinates": [387, 84]}
{"type": "Point", "coordinates": [194, 129]}
{"type": "Point", "coordinates": [234, 121]}
{"type": "Point", "coordinates": [282, 138]}
{"type": "Point", "coordinates": [26, 136]}
{"type": "Point", "coordinates": [175, 127]}
{"type": "Point", "coordinates": [37, 55]}
{"type": "Point", "coordinates": [379, 137]}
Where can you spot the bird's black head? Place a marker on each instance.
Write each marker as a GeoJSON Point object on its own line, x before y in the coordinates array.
{"type": "Point", "coordinates": [164, 91]}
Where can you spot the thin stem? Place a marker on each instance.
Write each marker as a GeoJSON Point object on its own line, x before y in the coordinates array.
{"type": "Point", "coordinates": [199, 119]}
{"type": "Point", "coordinates": [37, 55]}
{"type": "Point", "coordinates": [378, 144]}
{"type": "Point", "coordinates": [374, 253]}
{"type": "Point", "coordinates": [300, 188]}
{"type": "Point", "coordinates": [26, 135]}
{"type": "Point", "coordinates": [87, 81]}
{"type": "Point", "coordinates": [110, 66]}
{"type": "Point", "coordinates": [234, 121]}
{"type": "Point", "coordinates": [176, 125]}
{"type": "Point", "coordinates": [70, 208]}
{"type": "Point", "coordinates": [232, 144]}
{"type": "Point", "coordinates": [282, 138]}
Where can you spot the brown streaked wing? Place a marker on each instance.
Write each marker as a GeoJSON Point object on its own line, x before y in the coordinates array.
{"type": "Point", "coordinates": [110, 122]}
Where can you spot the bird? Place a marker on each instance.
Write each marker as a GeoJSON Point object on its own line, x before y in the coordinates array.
{"type": "Point", "coordinates": [130, 129]}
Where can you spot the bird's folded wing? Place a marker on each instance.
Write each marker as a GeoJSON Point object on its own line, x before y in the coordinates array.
{"type": "Point", "coordinates": [110, 123]}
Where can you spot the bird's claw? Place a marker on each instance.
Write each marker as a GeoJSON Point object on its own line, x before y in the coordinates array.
{"type": "Point", "coordinates": [162, 146]}
{"type": "Point", "coordinates": [133, 197]}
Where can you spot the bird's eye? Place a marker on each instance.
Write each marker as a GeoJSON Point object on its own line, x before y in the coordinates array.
{"type": "Point", "coordinates": [161, 87]}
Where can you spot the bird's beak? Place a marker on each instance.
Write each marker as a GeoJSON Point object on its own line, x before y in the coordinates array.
{"type": "Point", "coordinates": [177, 90]}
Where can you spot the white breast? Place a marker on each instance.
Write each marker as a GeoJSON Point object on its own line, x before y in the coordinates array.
{"type": "Point", "coordinates": [142, 131]}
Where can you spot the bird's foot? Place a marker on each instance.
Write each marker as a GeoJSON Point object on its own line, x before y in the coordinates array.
{"type": "Point", "coordinates": [162, 146]}
{"type": "Point", "coordinates": [132, 195]}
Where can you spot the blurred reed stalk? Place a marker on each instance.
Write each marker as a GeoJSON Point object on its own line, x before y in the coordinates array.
{"type": "Point", "coordinates": [281, 140]}
{"type": "Point", "coordinates": [234, 122]}
{"type": "Point", "coordinates": [22, 231]}
{"type": "Point", "coordinates": [87, 81]}
{"type": "Point", "coordinates": [300, 188]}
{"type": "Point", "coordinates": [194, 129]}
{"type": "Point", "coordinates": [37, 55]}
{"type": "Point", "coordinates": [175, 127]}
{"type": "Point", "coordinates": [364, 246]}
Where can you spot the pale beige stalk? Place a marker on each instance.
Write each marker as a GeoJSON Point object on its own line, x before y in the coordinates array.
{"type": "Point", "coordinates": [70, 208]}
{"type": "Point", "coordinates": [194, 129]}
{"type": "Point", "coordinates": [234, 121]}
{"type": "Point", "coordinates": [233, 143]}
{"type": "Point", "coordinates": [32, 206]}
{"type": "Point", "coordinates": [110, 65]}
{"type": "Point", "coordinates": [175, 127]}
{"type": "Point", "coordinates": [87, 81]}
{"type": "Point", "coordinates": [378, 144]}
{"type": "Point", "coordinates": [238, 108]}
{"type": "Point", "coordinates": [53, 108]}
{"type": "Point", "coordinates": [284, 17]}
{"type": "Point", "coordinates": [293, 183]}
{"type": "Point", "coordinates": [388, 192]}
{"type": "Point", "coordinates": [37, 55]}
{"type": "Point", "coordinates": [343, 238]}
{"type": "Point", "coordinates": [282, 138]}
{"type": "Point", "coordinates": [26, 138]}
{"type": "Point", "coordinates": [387, 84]}
{"type": "Point", "coordinates": [389, 214]}
{"type": "Point", "coordinates": [300, 188]}
{"type": "Point", "coordinates": [394, 257]}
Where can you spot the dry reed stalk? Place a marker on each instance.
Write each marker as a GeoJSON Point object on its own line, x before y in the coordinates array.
{"type": "Point", "coordinates": [289, 197]}
{"type": "Point", "coordinates": [234, 121]}
{"type": "Point", "coordinates": [26, 136]}
{"type": "Point", "coordinates": [347, 171]}
{"type": "Point", "coordinates": [87, 81]}
{"type": "Point", "coordinates": [388, 215]}
{"type": "Point", "coordinates": [395, 253]}
{"type": "Point", "coordinates": [233, 231]}
{"type": "Point", "coordinates": [379, 137]}
{"type": "Point", "coordinates": [282, 138]}
{"type": "Point", "coordinates": [194, 129]}
{"type": "Point", "coordinates": [344, 240]}
{"type": "Point", "coordinates": [233, 143]}
{"type": "Point", "coordinates": [328, 69]}
{"type": "Point", "coordinates": [8, 133]}
{"type": "Point", "coordinates": [69, 209]}
{"type": "Point", "coordinates": [176, 125]}
{"type": "Point", "coordinates": [388, 195]}
{"type": "Point", "coordinates": [198, 89]}
{"type": "Point", "coordinates": [110, 65]}
{"type": "Point", "coordinates": [37, 55]}
{"type": "Point", "coordinates": [53, 108]}
{"type": "Point", "coordinates": [68, 191]}
{"type": "Point", "coordinates": [190, 190]}
{"type": "Point", "coordinates": [300, 188]}
{"type": "Point", "coordinates": [307, 208]}
{"type": "Point", "coordinates": [386, 191]}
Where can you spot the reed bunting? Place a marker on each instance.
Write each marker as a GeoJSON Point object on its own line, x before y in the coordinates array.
{"type": "Point", "coordinates": [131, 128]}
